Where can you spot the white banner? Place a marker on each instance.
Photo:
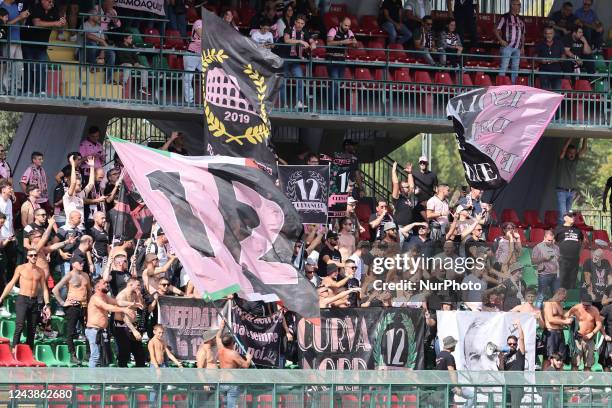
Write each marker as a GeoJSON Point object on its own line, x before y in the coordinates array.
{"type": "Point", "coordinates": [477, 330]}
{"type": "Point", "coordinates": [151, 6]}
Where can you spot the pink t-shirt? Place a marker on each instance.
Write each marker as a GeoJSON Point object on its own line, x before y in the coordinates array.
{"type": "Point", "coordinates": [37, 177]}
{"type": "Point", "coordinates": [196, 41]}
{"type": "Point", "coordinates": [5, 170]}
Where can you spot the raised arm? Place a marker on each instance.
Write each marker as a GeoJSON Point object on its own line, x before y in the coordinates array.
{"type": "Point", "coordinates": [565, 146]}
{"type": "Point", "coordinates": [583, 148]}
{"type": "Point", "coordinates": [173, 136]}
{"type": "Point", "coordinates": [396, 184]}
{"type": "Point", "coordinates": [91, 161]}
{"type": "Point", "coordinates": [73, 177]}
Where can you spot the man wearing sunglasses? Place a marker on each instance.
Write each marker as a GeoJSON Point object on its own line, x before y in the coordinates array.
{"type": "Point", "coordinates": [39, 225]}
{"type": "Point", "coordinates": [514, 360]}
{"type": "Point", "coordinates": [31, 281]}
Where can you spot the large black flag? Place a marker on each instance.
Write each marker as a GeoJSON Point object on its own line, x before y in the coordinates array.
{"type": "Point", "coordinates": [130, 218]}
{"type": "Point", "coordinates": [239, 84]}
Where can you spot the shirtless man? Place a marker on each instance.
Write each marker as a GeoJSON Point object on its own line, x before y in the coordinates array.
{"type": "Point", "coordinates": [99, 306]}
{"type": "Point", "coordinates": [157, 348]}
{"type": "Point", "coordinates": [39, 243]}
{"type": "Point", "coordinates": [554, 321]}
{"type": "Point", "coordinates": [589, 323]}
{"type": "Point", "coordinates": [327, 298]}
{"type": "Point", "coordinates": [229, 358]}
{"type": "Point", "coordinates": [31, 281]}
{"type": "Point", "coordinates": [152, 273]}
{"type": "Point", "coordinates": [75, 305]}
{"type": "Point", "coordinates": [129, 339]}
{"type": "Point", "coordinates": [528, 306]}
{"type": "Point", "coordinates": [206, 357]}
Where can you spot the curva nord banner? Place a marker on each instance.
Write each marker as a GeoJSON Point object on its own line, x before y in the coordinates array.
{"type": "Point", "coordinates": [307, 187]}
{"type": "Point", "coordinates": [185, 321]}
{"type": "Point", "coordinates": [150, 6]}
{"type": "Point", "coordinates": [363, 339]}
{"type": "Point", "coordinates": [496, 129]}
{"type": "Point", "coordinates": [260, 336]}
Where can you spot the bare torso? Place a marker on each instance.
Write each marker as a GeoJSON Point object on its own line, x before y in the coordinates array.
{"type": "Point", "coordinates": [78, 288]}
{"type": "Point", "coordinates": [96, 316]}
{"type": "Point", "coordinates": [29, 279]}
{"type": "Point", "coordinates": [556, 310]}
{"type": "Point", "coordinates": [586, 319]}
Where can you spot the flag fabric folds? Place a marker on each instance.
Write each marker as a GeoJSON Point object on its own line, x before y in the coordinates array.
{"type": "Point", "coordinates": [130, 218]}
{"type": "Point", "coordinates": [496, 129]}
{"type": "Point", "coordinates": [232, 228]}
{"type": "Point", "coordinates": [239, 84]}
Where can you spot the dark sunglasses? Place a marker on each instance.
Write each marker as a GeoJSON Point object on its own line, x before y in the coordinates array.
{"type": "Point", "coordinates": [31, 255]}
{"type": "Point", "coordinates": [164, 284]}
{"type": "Point", "coordinates": [511, 344]}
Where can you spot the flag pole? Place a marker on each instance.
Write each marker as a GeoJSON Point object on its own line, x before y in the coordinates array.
{"type": "Point", "coordinates": [229, 327]}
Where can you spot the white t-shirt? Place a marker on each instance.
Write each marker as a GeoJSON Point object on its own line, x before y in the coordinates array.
{"type": "Point", "coordinates": [262, 39]}
{"type": "Point", "coordinates": [6, 207]}
{"type": "Point", "coordinates": [74, 203]}
{"type": "Point", "coordinates": [438, 206]}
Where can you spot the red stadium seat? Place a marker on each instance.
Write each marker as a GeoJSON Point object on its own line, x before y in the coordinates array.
{"type": "Point", "coordinates": [340, 9]}
{"type": "Point", "coordinates": [173, 40]}
{"type": "Point", "coordinates": [23, 354]}
{"type": "Point", "coordinates": [602, 235]}
{"type": "Point", "coordinates": [398, 54]}
{"type": "Point", "coordinates": [551, 218]}
{"type": "Point", "coordinates": [580, 223]}
{"type": "Point", "coordinates": [246, 15]}
{"type": "Point", "coordinates": [501, 80]}
{"type": "Point", "coordinates": [483, 80]}
{"type": "Point", "coordinates": [401, 75]}
{"type": "Point", "coordinates": [536, 235]}
{"type": "Point", "coordinates": [566, 85]}
{"type": "Point", "coordinates": [358, 52]}
{"type": "Point", "coordinates": [380, 75]}
{"type": "Point", "coordinates": [151, 36]}
{"type": "Point", "coordinates": [378, 52]}
{"type": "Point", "coordinates": [494, 232]}
{"type": "Point", "coordinates": [486, 26]}
{"type": "Point", "coordinates": [422, 77]}
{"type": "Point", "coordinates": [369, 26]}
{"type": "Point", "coordinates": [331, 20]}
{"type": "Point", "coordinates": [191, 14]}
{"type": "Point", "coordinates": [443, 78]}
{"type": "Point", "coordinates": [348, 74]}
{"type": "Point", "coordinates": [319, 51]}
{"type": "Point", "coordinates": [116, 399]}
{"type": "Point", "coordinates": [4, 340]}
{"type": "Point", "coordinates": [364, 78]}
{"type": "Point", "coordinates": [320, 71]}
{"type": "Point", "coordinates": [466, 80]}
{"type": "Point", "coordinates": [510, 215]}
{"type": "Point", "coordinates": [532, 219]}
{"type": "Point", "coordinates": [6, 357]}
{"type": "Point", "coordinates": [354, 24]}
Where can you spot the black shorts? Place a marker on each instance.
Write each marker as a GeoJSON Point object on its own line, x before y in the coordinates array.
{"type": "Point", "coordinates": [555, 343]}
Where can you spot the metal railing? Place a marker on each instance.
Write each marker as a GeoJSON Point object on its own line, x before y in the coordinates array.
{"type": "Point", "coordinates": [296, 388]}
{"type": "Point", "coordinates": [376, 90]}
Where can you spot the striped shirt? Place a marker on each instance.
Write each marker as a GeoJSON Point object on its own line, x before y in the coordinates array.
{"type": "Point", "coordinates": [512, 29]}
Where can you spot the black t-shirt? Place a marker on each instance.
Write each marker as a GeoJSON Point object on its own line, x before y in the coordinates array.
{"type": "Point", "coordinates": [561, 20]}
{"type": "Point", "coordinates": [470, 243]}
{"type": "Point", "coordinates": [552, 51]}
{"type": "Point", "coordinates": [333, 254]}
{"type": "Point", "coordinates": [599, 276]}
{"type": "Point", "coordinates": [118, 281]}
{"type": "Point", "coordinates": [65, 233]}
{"type": "Point", "coordinates": [514, 361]}
{"type": "Point", "coordinates": [58, 193]}
{"type": "Point", "coordinates": [286, 51]}
{"type": "Point", "coordinates": [606, 313]}
{"type": "Point", "coordinates": [78, 255]}
{"type": "Point", "coordinates": [575, 46]}
{"type": "Point", "coordinates": [38, 34]}
{"type": "Point", "coordinates": [425, 183]}
{"type": "Point", "coordinates": [101, 241]}
{"type": "Point", "coordinates": [378, 233]}
{"type": "Point", "coordinates": [418, 209]}
{"type": "Point", "coordinates": [393, 7]}
{"type": "Point", "coordinates": [35, 227]}
{"type": "Point", "coordinates": [404, 209]}
{"type": "Point", "coordinates": [569, 240]}
{"type": "Point", "coordinates": [444, 360]}
{"type": "Point", "coordinates": [173, 149]}
{"type": "Point", "coordinates": [108, 189]}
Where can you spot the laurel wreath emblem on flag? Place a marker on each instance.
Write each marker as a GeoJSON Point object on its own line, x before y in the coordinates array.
{"type": "Point", "coordinates": [407, 337]}
{"type": "Point", "coordinates": [254, 134]}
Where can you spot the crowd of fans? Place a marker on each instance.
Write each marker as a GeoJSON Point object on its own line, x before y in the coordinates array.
{"type": "Point", "coordinates": [57, 259]}
{"type": "Point", "coordinates": [294, 30]}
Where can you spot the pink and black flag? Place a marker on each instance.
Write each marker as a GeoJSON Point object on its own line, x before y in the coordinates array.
{"type": "Point", "coordinates": [130, 218]}
{"type": "Point", "coordinates": [232, 228]}
{"type": "Point", "coordinates": [496, 129]}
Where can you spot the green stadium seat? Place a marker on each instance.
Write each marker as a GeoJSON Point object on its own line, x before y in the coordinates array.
{"type": "Point", "coordinates": [62, 355]}
{"type": "Point", "coordinates": [160, 62]}
{"type": "Point", "coordinates": [81, 353]}
{"type": "Point", "coordinates": [45, 354]}
{"type": "Point", "coordinates": [142, 60]}
{"type": "Point", "coordinates": [7, 329]}
{"type": "Point", "coordinates": [137, 39]}
{"type": "Point", "coordinates": [10, 304]}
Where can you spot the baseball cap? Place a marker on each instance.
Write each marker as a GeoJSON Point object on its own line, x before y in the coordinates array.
{"type": "Point", "coordinates": [423, 159]}
{"type": "Point", "coordinates": [331, 268]}
{"type": "Point", "coordinates": [160, 232]}
{"type": "Point", "coordinates": [389, 226]}
{"type": "Point", "coordinates": [351, 200]}
{"type": "Point", "coordinates": [311, 261]}
{"type": "Point", "coordinates": [331, 235]}
{"type": "Point", "coordinates": [569, 213]}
